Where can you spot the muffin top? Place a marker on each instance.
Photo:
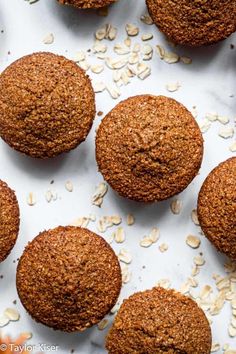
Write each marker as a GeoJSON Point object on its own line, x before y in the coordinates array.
{"type": "Point", "coordinates": [87, 4]}
{"type": "Point", "coordinates": [9, 220]}
{"type": "Point", "coordinates": [149, 148]}
{"type": "Point", "coordinates": [217, 207]}
{"type": "Point", "coordinates": [194, 22]}
{"type": "Point", "coordinates": [46, 104]}
{"type": "Point", "coordinates": [68, 278]}
{"type": "Point", "coordinates": [159, 321]}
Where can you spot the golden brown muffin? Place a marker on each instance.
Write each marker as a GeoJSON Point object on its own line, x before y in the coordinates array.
{"type": "Point", "coordinates": [87, 4]}
{"type": "Point", "coordinates": [217, 207]}
{"type": "Point", "coordinates": [194, 22]}
{"type": "Point", "coordinates": [9, 220]}
{"type": "Point", "coordinates": [68, 278]}
{"type": "Point", "coordinates": [46, 105]}
{"type": "Point", "coordinates": [149, 148]}
{"type": "Point", "coordinates": [159, 321]}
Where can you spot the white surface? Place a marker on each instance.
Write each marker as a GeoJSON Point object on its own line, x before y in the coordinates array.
{"type": "Point", "coordinates": [207, 83]}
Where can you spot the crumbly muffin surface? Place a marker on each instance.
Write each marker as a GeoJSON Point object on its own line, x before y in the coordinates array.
{"type": "Point", "coordinates": [68, 278]}
{"type": "Point", "coordinates": [9, 220]}
{"type": "Point", "coordinates": [159, 321]}
{"type": "Point", "coordinates": [194, 22]}
{"type": "Point", "coordinates": [87, 4]}
{"type": "Point", "coordinates": [149, 148]}
{"type": "Point", "coordinates": [217, 207]}
{"type": "Point", "coordinates": [46, 103]}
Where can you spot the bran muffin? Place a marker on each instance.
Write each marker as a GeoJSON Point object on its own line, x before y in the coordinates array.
{"type": "Point", "coordinates": [9, 220]}
{"type": "Point", "coordinates": [68, 278]}
{"type": "Point", "coordinates": [159, 321]}
{"type": "Point", "coordinates": [87, 4]}
{"type": "Point", "coordinates": [217, 207]}
{"type": "Point", "coordinates": [194, 22]}
{"type": "Point", "coordinates": [149, 148]}
{"type": "Point", "coordinates": [46, 105]}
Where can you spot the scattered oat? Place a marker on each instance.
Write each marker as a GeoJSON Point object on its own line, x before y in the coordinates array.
{"type": "Point", "coordinates": [133, 58]}
{"type": "Point", "coordinates": [163, 247]}
{"type": "Point", "coordinates": [164, 283]}
{"type": "Point", "coordinates": [97, 69]}
{"type": "Point", "coordinates": [136, 48]}
{"type": "Point", "coordinates": [232, 147]}
{"type": "Point", "coordinates": [160, 51]}
{"type": "Point", "coordinates": [49, 39]}
{"type": "Point", "coordinates": [81, 222]}
{"type": "Point", "coordinates": [121, 49]}
{"type": "Point", "coordinates": [113, 91]}
{"type": "Point", "coordinates": [130, 219]}
{"type": "Point", "coordinates": [147, 37]}
{"type": "Point", "coordinates": [147, 52]}
{"type": "Point", "coordinates": [193, 241]}
{"type": "Point", "coordinates": [143, 71]}
{"type": "Point", "coordinates": [103, 324]}
{"type": "Point", "coordinates": [125, 256]}
{"type": "Point", "coordinates": [98, 47]}
{"type": "Point", "coordinates": [116, 63]}
{"type": "Point", "coordinates": [146, 242]}
{"type": "Point", "coordinates": [199, 260]}
{"type": "Point", "coordinates": [204, 125]}
{"type": "Point", "coordinates": [146, 19]}
{"type": "Point", "coordinates": [171, 58]}
{"type": "Point", "coordinates": [215, 347]}
{"type": "Point", "coordinates": [186, 60]}
{"type": "Point", "coordinates": [154, 234]}
{"type": "Point", "coordinates": [31, 200]}
{"type": "Point", "coordinates": [223, 119]}
{"type": "Point", "coordinates": [119, 235]}
{"type": "Point", "coordinates": [172, 87]}
{"type": "Point", "coordinates": [4, 321]}
{"type": "Point", "coordinates": [99, 86]}
{"type": "Point", "coordinates": [226, 133]}
{"type": "Point", "coordinates": [79, 56]}
{"type": "Point", "coordinates": [84, 65]}
{"type": "Point", "coordinates": [12, 314]}
{"type": "Point", "coordinates": [115, 308]}
{"type": "Point", "coordinates": [126, 275]}
{"type": "Point", "coordinates": [232, 331]}
{"type": "Point", "coordinates": [132, 30]}
{"type": "Point", "coordinates": [176, 206]}
{"type": "Point", "coordinates": [48, 196]}
{"type": "Point", "coordinates": [212, 116]}
{"type": "Point", "coordinates": [194, 217]}
{"type": "Point", "coordinates": [69, 186]}
{"type": "Point", "coordinates": [100, 192]}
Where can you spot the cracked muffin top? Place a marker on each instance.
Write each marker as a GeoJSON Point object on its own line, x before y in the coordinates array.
{"type": "Point", "coordinates": [68, 278]}
{"type": "Point", "coordinates": [9, 220]}
{"type": "Point", "coordinates": [87, 4]}
{"type": "Point", "coordinates": [194, 22]}
{"type": "Point", "coordinates": [149, 148]}
{"type": "Point", "coordinates": [217, 207]}
{"type": "Point", "coordinates": [46, 105]}
{"type": "Point", "coordinates": [159, 321]}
